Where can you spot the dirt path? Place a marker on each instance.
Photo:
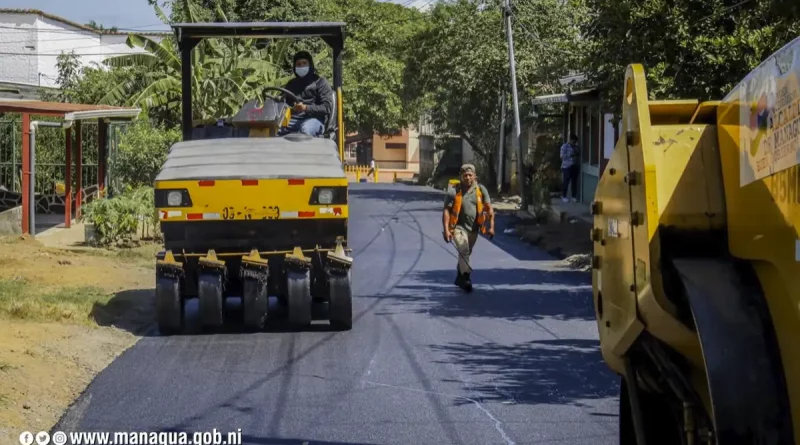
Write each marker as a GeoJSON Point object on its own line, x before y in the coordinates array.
{"type": "Point", "coordinates": [64, 316]}
{"type": "Point", "coordinates": [569, 240]}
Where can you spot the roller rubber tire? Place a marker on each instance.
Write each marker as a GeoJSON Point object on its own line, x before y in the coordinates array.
{"type": "Point", "coordinates": [340, 305]}
{"type": "Point", "coordinates": [169, 306]}
{"type": "Point", "coordinates": [660, 424]}
{"type": "Point", "coordinates": [255, 304]}
{"type": "Point", "coordinates": [211, 302]}
{"type": "Point", "coordinates": [298, 290]}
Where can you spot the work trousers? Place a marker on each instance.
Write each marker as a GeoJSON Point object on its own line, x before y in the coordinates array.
{"type": "Point", "coordinates": [310, 126]}
{"type": "Point", "coordinates": [569, 177]}
{"type": "Point", "coordinates": [464, 242]}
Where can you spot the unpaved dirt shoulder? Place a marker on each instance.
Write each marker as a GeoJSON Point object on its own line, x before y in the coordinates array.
{"type": "Point", "coordinates": [46, 366]}
{"type": "Point", "coordinates": [64, 317]}
{"type": "Point", "coordinates": [569, 241]}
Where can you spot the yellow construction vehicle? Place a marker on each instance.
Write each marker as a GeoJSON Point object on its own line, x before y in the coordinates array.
{"type": "Point", "coordinates": [248, 214]}
{"type": "Point", "coordinates": [697, 258]}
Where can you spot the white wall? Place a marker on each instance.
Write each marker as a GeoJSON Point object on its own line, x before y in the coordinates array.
{"type": "Point", "coordinates": [21, 66]}
{"type": "Point", "coordinates": [44, 38]}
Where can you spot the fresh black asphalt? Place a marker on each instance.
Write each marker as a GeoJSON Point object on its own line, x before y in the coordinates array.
{"type": "Point", "coordinates": [515, 362]}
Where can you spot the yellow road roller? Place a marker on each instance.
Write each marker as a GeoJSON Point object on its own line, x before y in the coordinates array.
{"type": "Point", "coordinates": [697, 258]}
{"type": "Point", "coordinates": [246, 213]}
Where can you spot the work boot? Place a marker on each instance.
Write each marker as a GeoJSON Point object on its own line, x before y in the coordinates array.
{"type": "Point", "coordinates": [459, 278]}
{"type": "Point", "coordinates": [467, 282]}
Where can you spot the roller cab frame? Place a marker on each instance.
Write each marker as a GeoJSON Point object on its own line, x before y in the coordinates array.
{"type": "Point", "coordinates": [191, 34]}
{"type": "Point", "coordinates": [696, 262]}
{"type": "Point", "coordinates": [258, 216]}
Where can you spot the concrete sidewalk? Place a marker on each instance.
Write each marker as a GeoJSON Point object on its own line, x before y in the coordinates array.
{"type": "Point", "coordinates": [561, 211]}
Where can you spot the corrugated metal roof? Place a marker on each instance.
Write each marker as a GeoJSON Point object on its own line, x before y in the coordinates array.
{"type": "Point", "coordinates": [292, 156]}
{"type": "Point", "coordinates": [58, 108]}
{"type": "Point", "coordinates": [562, 98]}
{"type": "Point", "coordinates": [259, 29]}
{"type": "Point", "coordinates": [549, 99]}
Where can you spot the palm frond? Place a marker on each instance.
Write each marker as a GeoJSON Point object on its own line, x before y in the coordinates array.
{"type": "Point", "coordinates": [146, 60]}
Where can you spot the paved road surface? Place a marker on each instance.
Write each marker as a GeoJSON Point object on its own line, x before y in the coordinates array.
{"type": "Point", "coordinates": [516, 362]}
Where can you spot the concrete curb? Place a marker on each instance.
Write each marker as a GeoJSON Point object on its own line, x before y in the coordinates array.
{"type": "Point", "coordinates": [559, 215]}
{"type": "Point", "coordinates": [555, 215]}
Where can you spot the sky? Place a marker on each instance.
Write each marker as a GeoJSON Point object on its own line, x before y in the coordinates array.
{"type": "Point", "coordinates": [125, 14]}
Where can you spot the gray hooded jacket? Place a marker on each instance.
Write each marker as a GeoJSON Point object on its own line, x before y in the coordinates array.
{"type": "Point", "coordinates": [313, 90]}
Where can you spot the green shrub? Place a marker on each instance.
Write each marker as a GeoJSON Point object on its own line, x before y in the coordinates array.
{"type": "Point", "coordinates": [142, 151]}
{"type": "Point", "coordinates": [118, 220]}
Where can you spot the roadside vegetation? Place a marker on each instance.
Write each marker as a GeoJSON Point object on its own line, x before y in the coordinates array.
{"type": "Point", "coordinates": [65, 314]}
{"type": "Point", "coordinates": [447, 64]}
{"type": "Point", "coordinates": [79, 287]}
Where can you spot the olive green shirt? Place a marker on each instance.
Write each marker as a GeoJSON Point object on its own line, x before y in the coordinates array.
{"type": "Point", "coordinates": [469, 205]}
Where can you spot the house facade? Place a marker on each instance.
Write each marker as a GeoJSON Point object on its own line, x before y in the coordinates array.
{"type": "Point", "coordinates": [31, 41]}
{"type": "Point", "coordinates": [584, 115]}
{"type": "Point", "coordinates": [397, 150]}
{"type": "Point", "coordinates": [444, 162]}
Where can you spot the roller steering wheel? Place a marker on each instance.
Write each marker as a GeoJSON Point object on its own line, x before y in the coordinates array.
{"type": "Point", "coordinates": [285, 93]}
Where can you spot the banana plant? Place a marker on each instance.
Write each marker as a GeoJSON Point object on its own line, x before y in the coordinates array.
{"type": "Point", "coordinates": [226, 73]}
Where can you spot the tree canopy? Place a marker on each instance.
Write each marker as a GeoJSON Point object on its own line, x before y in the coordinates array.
{"type": "Point", "coordinates": [460, 63]}
{"type": "Point", "coordinates": [451, 62]}
{"type": "Point", "coordinates": [375, 56]}
{"type": "Point", "coordinates": [689, 48]}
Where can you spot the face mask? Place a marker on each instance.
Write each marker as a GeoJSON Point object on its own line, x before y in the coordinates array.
{"type": "Point", "coordinates": [301, 71]}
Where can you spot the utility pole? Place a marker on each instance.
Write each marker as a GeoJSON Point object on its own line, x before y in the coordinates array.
{"type": "Point", "coordinates": [501, 140]}
{"type": "Point", "coordinates": [520, 171]}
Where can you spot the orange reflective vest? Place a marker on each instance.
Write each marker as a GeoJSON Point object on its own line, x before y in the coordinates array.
{"type": "Point", "coordinates": [481, 215]}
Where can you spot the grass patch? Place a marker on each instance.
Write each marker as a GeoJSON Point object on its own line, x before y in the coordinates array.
{"type": "Point", "coordinates": [22, 300]}
{"type": "Point", "coordinates": [144, 252]}
{"type": "Point", "coordinates": [141, 253]}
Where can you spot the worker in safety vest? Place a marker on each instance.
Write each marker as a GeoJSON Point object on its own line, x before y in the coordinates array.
{"type": "Point", "coordinates": [467, 207]}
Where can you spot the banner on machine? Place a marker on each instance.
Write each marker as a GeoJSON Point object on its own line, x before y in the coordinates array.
{"type": "Point", "coordinates": [769, 116]}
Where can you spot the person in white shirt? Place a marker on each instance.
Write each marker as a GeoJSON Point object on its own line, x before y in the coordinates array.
{"type": "Point", "coordinates": [371, 168]}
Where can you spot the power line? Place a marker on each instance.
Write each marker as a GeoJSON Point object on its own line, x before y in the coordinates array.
{"type": "Point", "coordinates": [70, 49]}
{"type": "Point", "coordinates": [79, 54]}
{"type": "Point", "coordinates": [68, 31]}
{"type": "Point", "coordinates": [66, 39]}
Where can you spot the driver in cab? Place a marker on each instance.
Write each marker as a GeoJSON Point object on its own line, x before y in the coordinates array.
{"type": "Point", "coordinates": [311, 114]}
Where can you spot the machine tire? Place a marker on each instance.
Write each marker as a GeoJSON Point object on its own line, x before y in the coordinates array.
{"type": "Point", "coordinates": [169, 306]}
{"type": "Point", "coordinates": [298, 296]}
{"type": "Point", "coordinates": [660, 425]}
{"type": "Point", "coordinates": [730, 313]}
{"type": "Point", "coordinates": [255, 304]}
{"type": "Point", "coordinates": [211, 302]}
{"type": "Point", "coordinates": [340, 303]}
